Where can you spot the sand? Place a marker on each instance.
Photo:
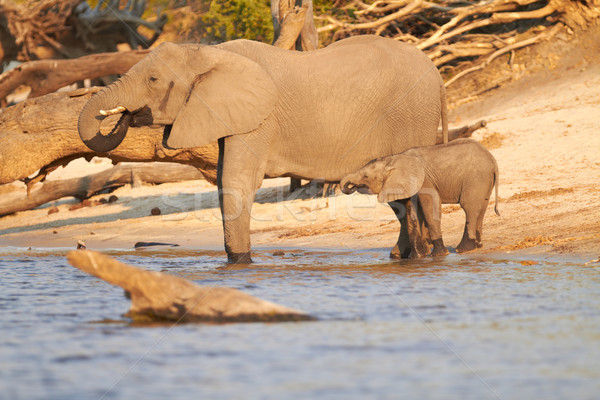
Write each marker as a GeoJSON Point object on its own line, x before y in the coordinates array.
{"type": "Point", "coordinates": [543, 129]}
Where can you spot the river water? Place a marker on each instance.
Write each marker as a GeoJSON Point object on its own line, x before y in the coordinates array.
{"type": "Point", "coordinates": [456, 328]}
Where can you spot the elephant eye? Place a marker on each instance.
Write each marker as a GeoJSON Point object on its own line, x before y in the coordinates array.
{"type": "Point", "coordinates": [153, 79]}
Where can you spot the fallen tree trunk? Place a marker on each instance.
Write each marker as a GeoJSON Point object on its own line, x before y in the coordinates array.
{"type": "Point", "coordinates": [82, 188]}
{"type": "Point", "coordinates": [41, 133]}
{"type": "Point", "coordinates": [156, 296]}
{"type": "Point", "coordinates": [47, 76]}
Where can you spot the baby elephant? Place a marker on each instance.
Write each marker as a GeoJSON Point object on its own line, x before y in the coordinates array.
{"type": "Point", "coordinates": [462, 171]}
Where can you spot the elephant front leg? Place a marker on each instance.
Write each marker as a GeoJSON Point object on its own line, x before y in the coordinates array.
{"type": "Point", "coordinates": [239, 175]}
{"type": "Point", "coordinates": [235, 211]}
{"type": "Point", "coordinates": [411, 243]}
{"type": "Point", "coordinates": [402, 247]}
{"type": "Point", "coordinates": [418, 244]}
{"type": "Point", "coordinates": [431, 205]}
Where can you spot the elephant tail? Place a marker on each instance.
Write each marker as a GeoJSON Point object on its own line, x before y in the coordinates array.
{"type": "Point", "coordinates": [444, 110]}
{"type": "Point", "coordinates": [496, 176]}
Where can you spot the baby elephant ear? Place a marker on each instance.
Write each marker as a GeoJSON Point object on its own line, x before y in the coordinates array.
{"type": "Point", "coordinates": [402, 180]}
{"type": "Point", "coordinates": [234, 96]}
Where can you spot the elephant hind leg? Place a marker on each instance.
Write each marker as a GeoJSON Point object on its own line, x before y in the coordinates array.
{"type": "Point", "coordinates": [480, 225]}
{"type": "Point", "coordinates": [474, 212]}
{"type": "Point", "coordinates": [466, 243]}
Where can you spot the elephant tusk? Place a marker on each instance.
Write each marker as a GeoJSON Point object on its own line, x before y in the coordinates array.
{"type": "Point", "coordinates": [116, 110]}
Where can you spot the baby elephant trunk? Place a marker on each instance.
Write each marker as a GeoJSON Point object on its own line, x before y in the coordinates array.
{"type": "Point", "coordinates": [351, 183]}
{"type": "Point", "coordinates": [348, 187]}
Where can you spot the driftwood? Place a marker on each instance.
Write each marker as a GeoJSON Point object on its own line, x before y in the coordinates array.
{"type": "Point", "coordinates": [158, 296]}
{"type": "Point", "coordinates": [47, 76]}
{"type": "Point", "coordinates": [82, 188]}
{"type": "Point", "coordinates": [294, 25]}
{"type": "Point", "coordinates": [291, 25]}
{"type": "Point", "coordinates": [462, 132]}
{"type": "Point", "coordinates": [41, 133]}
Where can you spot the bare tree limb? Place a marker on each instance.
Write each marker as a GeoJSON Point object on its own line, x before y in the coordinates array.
{"type": "Point", "coordinates": [71, 28]}
{"type": "Point", "coordinates": [504, 50]}
{"type": "Point", "coordinates": [82, 188]}
{"type": "Point", "coordinates": [46, 76]}
{"type": "Point", "coordinates": [291, 26]}
{"type": "Point", "coordinates": [374, 24]}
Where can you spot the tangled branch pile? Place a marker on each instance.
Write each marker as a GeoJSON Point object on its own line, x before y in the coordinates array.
{"type": "Point", "coordinates": [452, 32]}
{"type": "Point", "coordinates": [71, 28]}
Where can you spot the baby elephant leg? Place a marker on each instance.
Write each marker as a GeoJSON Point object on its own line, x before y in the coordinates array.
{"type": "Point", "coordinates": [418, 244]}
{"type": "Point", "coordinates": [432, 210]}
{"type": "Point", "coordinates": [410, 243]}
{"type": "Point", "coordinates": [474, 212]}
{"type": "Point", "coordinates": [402, 247]}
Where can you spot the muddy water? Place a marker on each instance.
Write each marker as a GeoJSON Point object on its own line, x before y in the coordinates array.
{"type": "Point", "coordinates": [459, 328]}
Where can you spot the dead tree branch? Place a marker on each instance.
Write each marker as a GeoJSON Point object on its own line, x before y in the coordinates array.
{"type": "Point", "coordinates": [293, 23]}
{"type": "Point", "coordinates": [291, 26]}
{"type": "Point", "coordinates": [504, 50]}
{"type": "Point", "coordinates": [47, 76]}
{"type": "Point", "coordinates": [71, 28]}
{"type": "Point", "coordinates": [456, 33]}
{"type": "Point", "coordinates": [82, 188]}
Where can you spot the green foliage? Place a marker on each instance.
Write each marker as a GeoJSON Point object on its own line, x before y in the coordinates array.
{"type": "Point", "coordinates": [237, 19]}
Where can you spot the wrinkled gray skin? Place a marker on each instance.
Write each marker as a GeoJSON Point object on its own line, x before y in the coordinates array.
{"type": "Point", "coordinates": [462, 171]}
{"type": "Point", "coordinates": [312, 115]}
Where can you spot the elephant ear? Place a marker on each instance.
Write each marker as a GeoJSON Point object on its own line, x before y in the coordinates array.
{"type": "Point", "coordinates": [230, 95]}
{"type": "Point", "coordinates": [403, 179]}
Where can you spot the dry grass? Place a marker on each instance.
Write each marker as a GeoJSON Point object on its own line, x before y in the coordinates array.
{"type": "Point", "coordinates": [450, 208]}
{"type": "Point", "coordinates": [297, 232]}
{"type": "Point", "coordinates": [529, 241]}
{"type": "Point", "coordinates": [492, 140]}
{"type": "Point", "coordinates": [313, 231]}
{"type": "Point", "coordinates": [539, 193]}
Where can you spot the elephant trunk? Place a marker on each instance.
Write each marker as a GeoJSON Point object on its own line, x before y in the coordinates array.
{"type": "Point", "coordinates": [347, 186]}
{"type": "Point", "coordinates": [101, 105]}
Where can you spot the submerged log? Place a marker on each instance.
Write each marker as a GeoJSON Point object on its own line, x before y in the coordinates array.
{"type": "Point", "coordinates": [159, 296]}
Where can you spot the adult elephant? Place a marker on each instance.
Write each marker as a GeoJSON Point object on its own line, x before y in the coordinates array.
{"type": "Point", "coordinates": [313, 115]}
